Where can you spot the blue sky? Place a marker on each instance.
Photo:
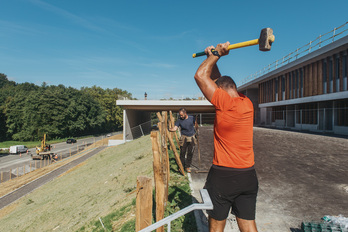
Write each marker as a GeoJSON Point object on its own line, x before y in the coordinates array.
{"type": "Point", "coordinates": [147, 46]}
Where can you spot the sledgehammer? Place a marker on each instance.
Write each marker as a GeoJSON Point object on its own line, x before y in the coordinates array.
{"type": "Point", "coordinates": [265, 42]}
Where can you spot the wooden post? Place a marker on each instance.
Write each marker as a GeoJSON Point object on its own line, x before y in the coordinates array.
{"type": "Point", "coordinates": [10, 174]}
{"type": "Point", "coordinates": [165, 149]}
{"type": "Point", "coordinates": [158, 175]}
{"type": "Point", "coordinates": [172, 122]}
{"type": "Point", "coordinates": [143, 203]}
{"type": "Point", "coordinates": [177, 156]}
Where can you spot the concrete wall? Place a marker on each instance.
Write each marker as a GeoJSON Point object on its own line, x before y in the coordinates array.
{"type": "Point", "coordinates": [253, 95]}
{"type": "Point", "coordinates": [132, 119]}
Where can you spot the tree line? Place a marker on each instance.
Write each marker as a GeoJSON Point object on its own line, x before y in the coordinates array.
{"type": "Point", "coordinates": [27, 111]}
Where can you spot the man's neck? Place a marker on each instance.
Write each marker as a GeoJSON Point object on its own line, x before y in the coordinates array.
{"type": "Point", "coordinates": [232, 92]}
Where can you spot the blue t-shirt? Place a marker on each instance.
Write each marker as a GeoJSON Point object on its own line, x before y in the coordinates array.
{"type": "Point", "coordinates": [187, 125]}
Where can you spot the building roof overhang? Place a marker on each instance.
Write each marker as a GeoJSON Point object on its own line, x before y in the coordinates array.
{"type": "Point", "coordinates": [197, 106]}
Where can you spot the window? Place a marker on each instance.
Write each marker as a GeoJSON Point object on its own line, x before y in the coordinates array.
{"type": "Point", "coordinates": [344, 72]}
{"type": "Point", "coordinates": [324, 77]}
{"type": "Point", "coordinates": [342, 112]}
{"type": "Point", "coordinates": [293, 85]}
{"type": "Point", "coordinates": [337, 73]}
{"type": "Point", "coordinates": [283, 87]}
{"type": "Point", "coordinates": [301, 81]}
{"type": "Point", "coordinates": [290, 85]}
{"type": "Point", "coordinates": [297, 85]}
{"type": "Point", "coordinates": [330, 77]}
{"type": "Point", "coordinates": [309, 113]}
{"type": "Point", "coordinates": [276, 89]}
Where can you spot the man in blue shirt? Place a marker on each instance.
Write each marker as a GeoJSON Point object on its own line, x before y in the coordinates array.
{"type": "Point", "coordinates": [187, 140]}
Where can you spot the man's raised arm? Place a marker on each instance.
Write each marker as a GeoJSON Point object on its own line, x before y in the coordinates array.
{"type": "Point", "coordinates": [208, 70]}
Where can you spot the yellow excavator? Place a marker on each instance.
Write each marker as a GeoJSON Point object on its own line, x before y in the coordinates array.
{"type": "Point", "coordinates": [44, 151]}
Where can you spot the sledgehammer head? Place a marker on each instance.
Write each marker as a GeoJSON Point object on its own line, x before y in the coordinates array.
{"type": "Point", "coordinates": [266, 39]}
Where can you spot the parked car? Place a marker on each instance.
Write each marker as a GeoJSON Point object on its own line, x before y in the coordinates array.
{"type": "Point", "coordinates": [108, 135]}
{"type": "Point", "coordinates": [18, 149]}
{"type": "Point", "coordinates": [71, 141]}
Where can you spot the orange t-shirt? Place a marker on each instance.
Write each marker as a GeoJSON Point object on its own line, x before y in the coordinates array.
{"type": "Point", "coordinates": [233, 130]}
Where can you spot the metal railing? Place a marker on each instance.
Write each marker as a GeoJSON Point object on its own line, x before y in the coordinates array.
{"type": "Point", "coordinates": [141, 130]}
{"type": "Point", "coordinates": [207, 204]}
{"type": "Point", "coordinates": [32, 165]}
{"type": "Point", "coordinates": [317, 43]}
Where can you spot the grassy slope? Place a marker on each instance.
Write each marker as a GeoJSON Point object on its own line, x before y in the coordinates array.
{"type": "Point", "coordinates": [101, 187]}
{"type": "Point", "coordinates": [179, 197]}
{"type": "Point", "coordinates": [91, 190]}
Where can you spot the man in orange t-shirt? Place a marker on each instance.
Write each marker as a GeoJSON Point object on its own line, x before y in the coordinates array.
{"type": "Point", "coordinates": [232, 181]}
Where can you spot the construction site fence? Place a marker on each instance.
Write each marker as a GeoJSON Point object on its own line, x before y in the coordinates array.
{"type": "Point", "coordinates": [317, 120]}
{"type": "Point", "coordinates": [317, 43]}
{"type": "Point", "coordinates": [37, 164]}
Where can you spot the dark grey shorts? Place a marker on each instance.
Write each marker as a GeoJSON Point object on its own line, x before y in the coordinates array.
{"type": "Point", "coordinates": [236, 188]}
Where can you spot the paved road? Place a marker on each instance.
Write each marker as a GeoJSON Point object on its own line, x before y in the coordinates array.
{"type": "Point", "coordinates": [17, 194]}
{"type": "Point", "coordinates": [302, 177]}
{"type": "Point", "coordinates": [24, 162]}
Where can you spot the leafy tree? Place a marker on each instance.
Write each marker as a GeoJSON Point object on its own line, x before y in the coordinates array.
{"type": "Point", "coordinates": [27, 111]}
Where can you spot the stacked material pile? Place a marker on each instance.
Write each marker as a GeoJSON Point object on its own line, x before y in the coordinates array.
{"type": "Point", "coordinates": [328, 224]}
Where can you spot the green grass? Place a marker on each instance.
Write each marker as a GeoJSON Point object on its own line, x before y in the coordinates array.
{"type": "Point", "coordinates": [179, 197]}
{"type": "Point", "coordinates": [95, 188]}
{"type": "Point", "coordinates": [101, 187]}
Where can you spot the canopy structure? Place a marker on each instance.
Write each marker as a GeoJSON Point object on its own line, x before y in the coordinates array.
{"type": "Point", "coordinates": [138, 112]}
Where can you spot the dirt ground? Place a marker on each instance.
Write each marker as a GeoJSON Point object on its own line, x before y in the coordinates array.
{"type": "Point", "coordinates": [302, 176]}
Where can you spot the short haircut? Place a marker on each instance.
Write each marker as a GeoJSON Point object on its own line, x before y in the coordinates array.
{"type": "Point", "coordinates": [182, 110]}
{"type": "Point", "coordinates": [226, 82]}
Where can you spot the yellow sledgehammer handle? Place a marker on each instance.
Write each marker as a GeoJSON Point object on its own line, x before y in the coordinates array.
{"type": "Point", "coordinates": [244, 44]}
{"type": "Point", "coordinates": [238, 45]}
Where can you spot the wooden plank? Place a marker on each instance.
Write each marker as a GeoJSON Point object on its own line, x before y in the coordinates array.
{"type": "Point", "coordinates": [143, 203]}
{"type": "Point", "coordinates": [287, 91]}
{"type": "Point", "coordinates": [158, 176]}
{"type": "Point", "coordinates": [315, 78]}
{"type": "Point", "coordinates": [310, 80]}
{"type": "Point", "coordinates": [177, 156]}
{"type": "Point", "coordinates": [320, 77]}
{"type": "Point", "coordinates": [279, 88]}
{"type": "Point", "coordinates": [305, 81]}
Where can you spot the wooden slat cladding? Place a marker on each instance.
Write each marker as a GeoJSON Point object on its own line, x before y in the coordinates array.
{"type": "Point", "coordinates": [308, 80]}
{"type": "Point", "coordinates": [320, 77]}
{"type": "Point", "coordinates": [315, 78]}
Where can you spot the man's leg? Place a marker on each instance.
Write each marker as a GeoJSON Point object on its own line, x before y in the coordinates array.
{"type": "Point", "coordinates": [246, 225]}
{"type": "Point", "coordinates": [183, 149]}
{"type": "Point", "coordinates": [215, 225]}
{"type": "Point", "coordinates": [190, 150]}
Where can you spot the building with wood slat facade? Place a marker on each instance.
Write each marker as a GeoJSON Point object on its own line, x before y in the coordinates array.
{"type": "Point", "coordinates": [310, 93]}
